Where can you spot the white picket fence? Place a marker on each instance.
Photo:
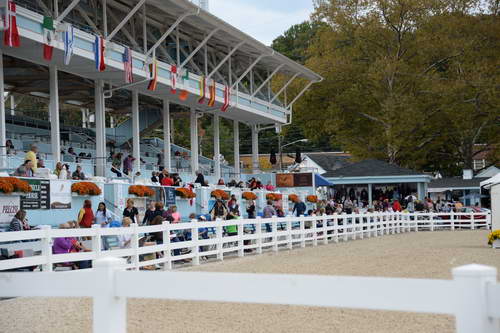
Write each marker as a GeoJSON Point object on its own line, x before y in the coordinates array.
{"type": "Point", "coordinates": [286, 233]}
{"type": "Point", "coordinates": [473, 296]}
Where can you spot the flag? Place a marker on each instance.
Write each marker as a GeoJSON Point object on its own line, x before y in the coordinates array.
{"type": "Point", "coordinates": [185, 77]}
{"type": "Point", "coordinates": [153, 72]}
{"type": "Point", "coordinates": [211, 100]}
{"type": "Point", "coordinates": [4, 22]}
{"type": "Point", "coordinates": [173, 69]}
{"type": "Point", "coordinates": [11, 35]}
{"type": "Point", "coordinates": [203, 87]}
{"type": "Point", "coordinates": [99, 53]}
{"type": "Point", "coordinates": [127, 65]}
{"type": "Point", "coordinates": [227, 99]}
{"type": "Point", "coordinates": [69, 42]}
{"type": "Point", "coordinates": [48, 37]}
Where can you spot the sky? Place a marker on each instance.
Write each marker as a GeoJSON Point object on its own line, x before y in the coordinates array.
{"type": "Point", "coordinates": [264, 20]}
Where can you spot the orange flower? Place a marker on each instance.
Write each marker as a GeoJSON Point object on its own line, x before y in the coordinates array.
{"type": "Point", "coordinates": [274, 196]}
{"type": "Point", "coordinates": [141, 191]}
{"type": "Point", "coordinates": [293, 197]}
{"type": "Point", "coordinates": [312, 198]}
{"type": "Point", "coordinates": [5, 186]}
{"type": "Point", "coordinates": [185, 193]}
{"type": "Point", "coordinates": [18, 185]}
{"type": "Point", "coordinates": [220, 194]}
{"type": "Point", "coordinates": [249, 196]}
{"type": "Point", "coordinates": [85, 188]}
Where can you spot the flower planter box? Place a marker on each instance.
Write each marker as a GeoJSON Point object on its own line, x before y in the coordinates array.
{"type": "Point", "coordinates": [496, 244]}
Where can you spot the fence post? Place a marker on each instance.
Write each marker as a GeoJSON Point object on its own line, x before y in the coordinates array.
{"type": "Point", "coordinates": [274, 226]}
{"type": "Point", "coordinates": [289, 234]}
{"type": "Point", "coordinates": [302, 232]}
{"type": "Point", "coordinates": [344, 224]}
{"type": "Point", "coordinates": [47, 248]}
{"type": "Point", "coordinates": [325, 231]}
{"type": "Point", "coordinates": [109, 311]}
{"type": "Point", "coordinates": [472, 220]}
{"type": "Point", "coordinates": [167, 253]}
{"type": "Point", "coordinates": [431, 221]}
{"type": "Point", "coordinates": [196, 249]}
{"type": "Point", "coordinates": [258, 233]}
{"type": "Point", "coordinates": [241, 243]}
{"type": "Point", "coordinates": [452, 218]}
{"type": "Point", "coordinates": [220, 239]}
{"type": "Point", "coordinates": [97, 241]}
{"type": "Point", "coordinates": [471, 304]}
{"type": "Point", "coordinates": [336, 229]}
{"type": "Point", "coordinates": [135, 245]}
{"type": "Point", "coordinates": [359, 219]}
{"type": "Point", "coordinates": [314, 228]}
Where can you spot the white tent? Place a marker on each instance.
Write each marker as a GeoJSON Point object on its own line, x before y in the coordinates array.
{"type": "Point", "coordinates": [493, 184]}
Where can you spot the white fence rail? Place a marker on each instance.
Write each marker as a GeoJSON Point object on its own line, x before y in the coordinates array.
{"type": "Point", "coordinates": [472, 296]}
{"type": "Point", "coordinates": [252, 234]}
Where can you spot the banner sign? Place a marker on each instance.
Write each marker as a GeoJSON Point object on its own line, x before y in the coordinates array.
{"type": "Point", "coordinates": [169, 196]}
{"type": "Point", "coordinates": [294, 180]}
{"type": "Point", "coordinates": [39, 197]}
{"type": "Point", "coordinates": [9, 205]}
{"type": "Point", "coordinates": [60, 194]}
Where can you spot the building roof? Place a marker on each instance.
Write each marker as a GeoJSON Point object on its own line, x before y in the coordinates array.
{"type": "Point", "coordinates": [330, 161]}
{"type": "Point", "coordinates": [456, 183]}
{"type": "Point", "coordinates": [371, 168]}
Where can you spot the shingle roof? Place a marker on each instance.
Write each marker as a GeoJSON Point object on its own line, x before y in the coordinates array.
{"type": "Point", "coordinates": [456, 182]}
{"type": "Point", "coordinates": [371, 168]}
{"type": "Point", "coordinates": [330, 161]}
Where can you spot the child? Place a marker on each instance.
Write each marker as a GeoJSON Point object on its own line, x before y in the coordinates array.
{"type": "Point", "coordinates": [125, 239]}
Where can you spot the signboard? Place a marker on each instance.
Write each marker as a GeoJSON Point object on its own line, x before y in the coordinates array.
{"type": "Point", "coordinates": [169, 196]}
{"type": "Point", "coordinates": [294, 180]}
{"type": "Point", "coordinates": [60, 194]}
{"type": "Point", "coordinates": [9, 205]}
{"type": "Point", "coordinates": [39, 197]}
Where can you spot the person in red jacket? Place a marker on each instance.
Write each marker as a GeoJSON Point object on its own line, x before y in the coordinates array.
{"type": "Point", "coordinates": [86, 216]}
{"type": "Point", "coordinates": [396, 206]}
{"type": "Point", "coordinates": [167, 180]}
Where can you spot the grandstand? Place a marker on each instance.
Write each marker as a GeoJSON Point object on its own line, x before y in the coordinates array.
{"type": "Point", "coordinates": [199, 64]}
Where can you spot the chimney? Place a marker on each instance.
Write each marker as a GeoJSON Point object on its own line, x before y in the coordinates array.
{"type": "Point", "coordinates": [468, 174]}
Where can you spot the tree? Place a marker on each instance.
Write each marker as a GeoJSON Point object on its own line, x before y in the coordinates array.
{"type": "Point", "coordinates": [401, 83]}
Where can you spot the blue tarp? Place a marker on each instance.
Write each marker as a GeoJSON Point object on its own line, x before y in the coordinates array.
{"type": "Point", "coordinates": [321, 181]}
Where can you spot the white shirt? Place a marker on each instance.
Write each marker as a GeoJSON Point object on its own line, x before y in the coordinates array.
{"type": "Point", "coordinates": [101, 218]}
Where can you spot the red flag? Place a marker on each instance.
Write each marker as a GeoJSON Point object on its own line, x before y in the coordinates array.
{"type": "Point", "coordinates": [11, 35]}
{"type": "Point", "coordinates": [203, 87]}
{"type": "Point", "coordinates": [173, 69]}
{"type": "Point", "coordinates": [227, 99]}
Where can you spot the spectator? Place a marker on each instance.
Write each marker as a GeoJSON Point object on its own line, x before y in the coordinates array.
{"type": "Point", "coordinates": [63, 174]}
{"type": "Point", "coordinates": [299, 207]}
{"type": "Point", "coordinates": [177, 180]}
{"type": "Point", "coordinates": [199, 178]}
{"type": "Point", "coordinates": [396, 206]}
{"type": "Point", "coordinates": [31, 156]}
{"type": "Point", "coordinates": [102, 215]}
{"type": "Point", "coordinates": [40, 164]}
{"type": "Point", "coordinates": [175, 214]}
{"type": "Point", "coordinates": [268, 213]}
{"type": "Point", "coordinates": [269, 186]}
{"type": "Point", "coordinates": [78, 174]}
{"type": "Point", "coordinates": [154, 177]}
{"type": "Point", "coordinates": [10, 147]}
{"type": "Point", "coordinates": [166, 180]}
{"type": "Point", "coordinates": [150, 214]}
{"type": "Point", "coordinates": [131, 211]}
{"type": "Point", "coordinates": [241, 184]}
{"type": "Point", "coordinates": [232, 183]}
{"type": "Point", "coordinates": [25, 170]}
{"type": "Point", "coordinates": [163, 173]}
{"type": "Point", "coordinates": [219, 210]}
{"type": "Point", "coordinates": [232, 230]}
{"type": "Point", "coordinates": [128, 166]}
{"type": "Point", "coordinates": [19, 222]}
{"type": "Point", "coordinates": [221, 182]}
{"type": "Point", "coordinates": [64, 245]}
{"type": "Point", "coordinates": [157, 236]}
{"type": "Point", "coordinates": [125, 239]}
{"type": "Point", "coordinates": [158, 209]}
{"type": "Point", "coordinates": [251, 209]}
{"type": "Point", "coordinates": [58, 169]}
{"type": "Point", "coordinates": [116, 163]}
{"type": "Point", "coordinates": [86, 216]}
{"type": "Point", "coordinates": [232, 202]}
{"type": "Point", "coordinates": [71, 151]}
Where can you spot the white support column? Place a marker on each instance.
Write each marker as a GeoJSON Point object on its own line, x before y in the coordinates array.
{"type": "Point", "coordinates": [55, 135]}
{"type": "Point", "coordinates": [3, 135]}
{"type": "Point", "coordinates": [136, 135]}
{"type": "Point", "coordinates": [194, 141]}
{"type": "Point", "coordinates": [370, 195]}
{"type": "Point", "coordinates": [100, 129]}
{"type": "Point", "coordinates": [255, 150]}
{"type": "Point", "coordinates": [166, 136]}
{"type": "Point", "coordinates": [12, 105]}
{"type": "Point", "coordinates": [217, 169]}
{"type": "Point", "coordinates": [236, 142]}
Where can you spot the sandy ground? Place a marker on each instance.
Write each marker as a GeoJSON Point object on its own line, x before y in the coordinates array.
{"type": "Point", "coordinates": [417, 255]}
